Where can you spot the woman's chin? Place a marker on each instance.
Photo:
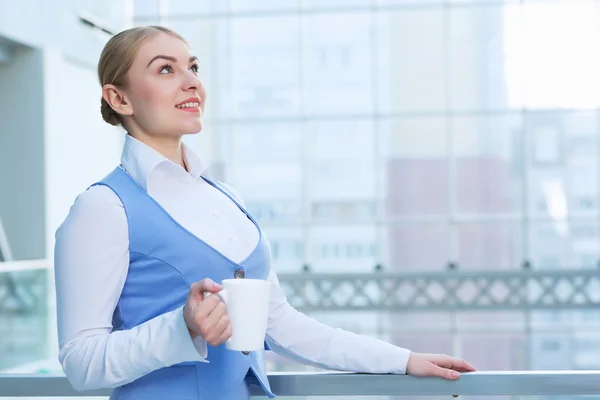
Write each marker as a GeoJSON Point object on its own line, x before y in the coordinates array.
{"type": "Point", "coordinates": [191, 128]}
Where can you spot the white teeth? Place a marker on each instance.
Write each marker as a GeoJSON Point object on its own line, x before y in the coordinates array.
{"type": "Point", "coordinates": [189, 105]}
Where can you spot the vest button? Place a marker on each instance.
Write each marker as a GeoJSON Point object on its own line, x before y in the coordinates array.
{"type": "Point", "coordinates": [245, 353]}
{"type": "Point", "coordinates": [239, 274]}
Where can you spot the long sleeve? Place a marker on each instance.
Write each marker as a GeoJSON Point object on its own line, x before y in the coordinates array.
{"type": "Point", "coordinates": [91, 264]}
{"type": "Point", "coordinates": [306, 340]}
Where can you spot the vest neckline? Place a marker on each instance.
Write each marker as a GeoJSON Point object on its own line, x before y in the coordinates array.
{"type": "Point", "coordinates": [186, 231]}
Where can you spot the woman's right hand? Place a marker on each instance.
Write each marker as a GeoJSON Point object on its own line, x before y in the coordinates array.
{"type": "Point", "coordinates": [206, 317]}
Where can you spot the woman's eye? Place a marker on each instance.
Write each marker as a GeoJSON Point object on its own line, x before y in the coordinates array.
{"type": "Point", "coordinates": [166, 69]}
{"type": "Point", "coordinates": [194, 68]}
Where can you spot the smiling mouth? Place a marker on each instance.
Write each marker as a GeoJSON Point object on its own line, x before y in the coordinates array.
{"type": "Point", "coordinates": [193, 104]}
{"type": "Point", "coordinates": [191, 107]}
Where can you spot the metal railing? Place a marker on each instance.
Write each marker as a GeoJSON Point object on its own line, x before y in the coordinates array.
{"type": "Point", "coordinates": [333, 384]}
{"type": "Point", "coordinates": [450, 290]}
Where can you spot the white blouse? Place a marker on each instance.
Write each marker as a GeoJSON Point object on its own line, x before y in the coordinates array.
{"type": "Point", "coordinates": [91, 263]}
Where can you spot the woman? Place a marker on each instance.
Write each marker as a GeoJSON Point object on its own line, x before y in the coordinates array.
{"type": "Point", "coordinates": [140, 247]}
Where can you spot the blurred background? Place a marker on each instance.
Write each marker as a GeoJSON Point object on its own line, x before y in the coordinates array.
{"type": "Point", "coordinates": [415, 137]}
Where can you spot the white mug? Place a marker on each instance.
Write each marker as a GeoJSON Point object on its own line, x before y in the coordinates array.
{"type": "Point", "coordinates": [247, 303]}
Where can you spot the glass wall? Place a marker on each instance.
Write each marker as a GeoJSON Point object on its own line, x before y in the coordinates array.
{"type": "Point", "coordinates": [406, 134]}
{"type": "Point", "coordinates": [413, 134]}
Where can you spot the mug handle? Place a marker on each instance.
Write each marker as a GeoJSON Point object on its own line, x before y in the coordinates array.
{"type": "Point", "coordinates": [222, 294]}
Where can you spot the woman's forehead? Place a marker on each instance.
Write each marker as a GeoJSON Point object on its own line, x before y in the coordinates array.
{"type": "Point", "coordinates": [164, 44]}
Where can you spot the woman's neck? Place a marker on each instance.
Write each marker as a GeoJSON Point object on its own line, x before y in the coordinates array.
{"type": "Point", "coordinates": [169, 147]}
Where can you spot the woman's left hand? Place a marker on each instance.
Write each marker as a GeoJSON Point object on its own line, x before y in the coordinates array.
{"type": "Point", "coordinates": [422, 364]}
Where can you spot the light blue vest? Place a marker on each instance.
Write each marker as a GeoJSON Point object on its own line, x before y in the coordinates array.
{"type": "Point", "coordinates": [165, 259]}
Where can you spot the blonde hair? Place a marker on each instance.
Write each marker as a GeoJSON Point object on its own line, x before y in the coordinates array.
{"type": "Point", "coordinates": [116, 59]}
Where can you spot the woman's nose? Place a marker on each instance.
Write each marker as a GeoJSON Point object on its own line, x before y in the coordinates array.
{"type": "Point", "coordinates": [192, 82]}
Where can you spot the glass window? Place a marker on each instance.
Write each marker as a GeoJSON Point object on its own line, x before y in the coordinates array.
{"type": "Point", "coordinates": [418, 246]}
{"type": "Point", "coordinates": [559, 67]}
{"type": "Point", "coordinates": [341, 160]}
{"type": "Point", "coordinates": [582, 155]}
{"type": "Point", "coordinates": [258, 142]}
{"type": "Point", "coordinates": [551, 350]}
{"type": "Point", "coordinates": [509, 351]}
{"type": "Point", "coordinates": [24, 334]}
{"type": "Point", "coordinates": [343, 138]}
{"type": "Point", "coordinates": [265, 73]}
{"type": "Point", "coordinates": [410, 60]}
{"type": "Point", "coordinates": [476, 54]}
{"type": "Point", "coordinates": [580, 125]}
{"type": "Point", "coordinates": [583, 195]}
{"type": "Point", "coordinates": [546, 144]}
{"type": "Point", "coordinates": [276, 210]}
{"type": "Point", "coordinates": [363, 132]}
{"type": "Point", "coordinates": [145, 8]}
{"type": "Point", "coordinates": [190, 9]}
{"type": "Point", "coordinates": [484, 246]}
{"type": "Point", "coordinates": [342, 248]}
{"type": "Point", "coordinates": [274, 189]}
{"type": "Point", "coordinates": [583, 147]}
{"type": "Point", "coordinates": [585, 243]}
{"type": "Point", "coordinates": [547, 193]}
{"type": "Point", "coordinates": [414, 165]}
{"type": "Point", "coordinates": [478, 2]}
{"type": "Point", "coordinates": [111, 12]}
{"type": "Point", "coordinates": [548, 245]}
{"type": "Point", "coordinates": [409, 2]}
{"type": "Point", "coordinates": [550, 345]}
{"type": "Point", "coordinates": [337, 61]}
{"type": "Point", "coordinates": [586, 347]}
{"type": "Point", "coordinates": [487, 162]}
{"type": "Point", "coordinates": [262, 5]}
{"type": "Point", "coordinates": [342, 179]}
{"type": "Point", "coordinates": [344, 211]}
{"type": "Point", "coordinates": [287, 248]}
{"type": "Point", "coordinates": [334, 4]}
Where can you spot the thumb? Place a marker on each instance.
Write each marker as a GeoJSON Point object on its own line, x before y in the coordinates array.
{"type": "Point", "coordinates": [445, 373]}
{"type": "Point", "coordinates": [205, 285]}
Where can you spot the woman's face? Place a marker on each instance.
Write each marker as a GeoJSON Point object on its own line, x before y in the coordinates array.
{"type": "Point", "coordinates": [164, 93]}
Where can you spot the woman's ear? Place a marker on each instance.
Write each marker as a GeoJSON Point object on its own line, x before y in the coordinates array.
{"type": "Point", "coordinates": [117, 99]}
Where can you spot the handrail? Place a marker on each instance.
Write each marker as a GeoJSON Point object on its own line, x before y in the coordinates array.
{"type": "Point", "coordinates": [24, 265]}
{"type": "Point", "coordinates": [441, 291]}
{"type": "Point", "coordinates": [349, 384]}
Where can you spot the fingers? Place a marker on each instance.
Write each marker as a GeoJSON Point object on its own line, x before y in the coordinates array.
{"type": "Point", "coordinates": [461, 365]}
{"type": "Point", "coordinates": [468, 367]}
{"type": "Point", "coordinates": [217, 332]}
{"type": "Point", "coordinates": [444, 372]}
{"type": "Point", "coordinates": [206, 307]}
{"type": "Point", "coordinates": [225, 324]}
{"type": "Point", "coordinates": [215, 315]}
{"type": "Point", "coordinates": [453, 363]}
{"type": "Point", "coordinates": [205, 285]}
{"type": "Point", "coordinates": [197, 293]}
{"type": "Point", "coordinates": [206, 316]}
